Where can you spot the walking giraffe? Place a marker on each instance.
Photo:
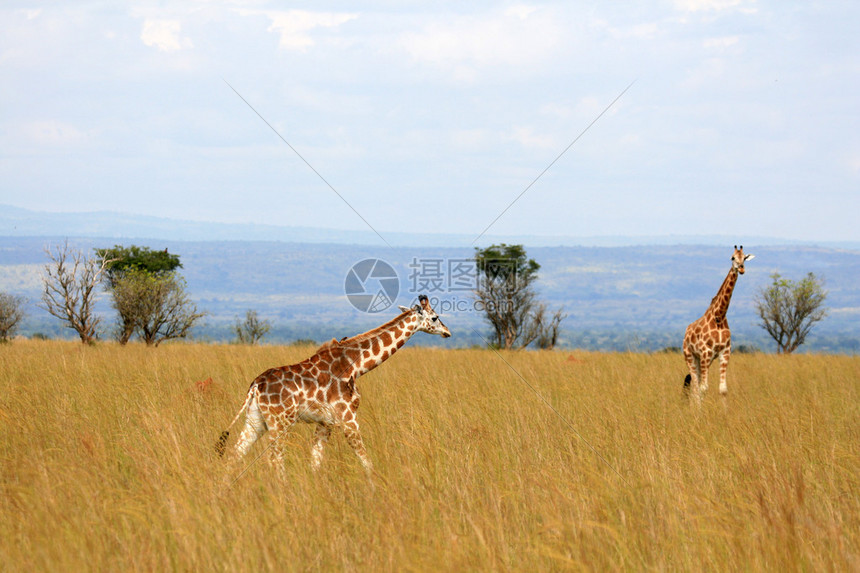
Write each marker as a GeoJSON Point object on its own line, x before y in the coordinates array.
{"type": "Point", "coordinates": [709, 337]}
{"type": "Point", "coordinates": [321, 389]}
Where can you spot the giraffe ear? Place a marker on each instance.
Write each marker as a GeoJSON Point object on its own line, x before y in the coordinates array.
{"type": "Point", "coordinates": [403, 308]}
{"type": "Point", "coordinates": [748, 257]}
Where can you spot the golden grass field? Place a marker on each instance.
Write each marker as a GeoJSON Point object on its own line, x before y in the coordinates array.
{"type": "Point", "coordinates": [107, 464]}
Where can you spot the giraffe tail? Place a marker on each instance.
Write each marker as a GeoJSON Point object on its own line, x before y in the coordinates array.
{"type": "Point", "coordinates": [221, 444]}
{"type": "Point", "coordinates": [687, 380]}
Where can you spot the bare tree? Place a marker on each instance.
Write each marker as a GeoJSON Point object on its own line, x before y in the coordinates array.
{"type": "Point", "coordinates": [70, 282]}
{"type": "Point", "coordinates": [548, 331]}
{"type": "Point", "coordinates": [789, 309]}
{"type": "Point", "coordinates": [11, 315]}
{"type": "Point", "coordinates": [155, 305]}
{"type": "Point", "coordinates": [252, 330]}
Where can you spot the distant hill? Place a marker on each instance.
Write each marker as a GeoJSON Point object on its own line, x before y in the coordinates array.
{"type": "Point", "coordinates": [616, 298]}
{"type": "Point", "coordinates": [17, 222]}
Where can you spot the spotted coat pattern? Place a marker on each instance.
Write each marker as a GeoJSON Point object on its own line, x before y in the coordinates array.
{"type": "Point", "coordinates": [709, 338]}
{"type": "Point", "coordinates": [321, 390]}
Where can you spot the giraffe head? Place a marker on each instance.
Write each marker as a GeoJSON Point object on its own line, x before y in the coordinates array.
{"type": "Point", "coordinates": [739, 258]}
{"type": "Point", "coordinates": [429, 321]}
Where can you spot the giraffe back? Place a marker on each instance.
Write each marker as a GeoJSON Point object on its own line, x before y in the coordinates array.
{"type": "Point", "coordinates": [313, 390]}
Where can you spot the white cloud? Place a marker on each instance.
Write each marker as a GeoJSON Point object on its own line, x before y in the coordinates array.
{"type": "Point", "coordinates": [518, 37]}
{"type": "Point", "coordinates": [556, 110]}
{"type": "Point", "coordinates": [707, 5]}
{"type": "Point", "coordinates": [646, 31]}
{"type": "Point", "coordinates": [720, 43]}
{"type": "Point", "coordinates": [294, 26]}
{"type": "Point", "coordinates": [708, 98]}
{"type": "Point", "coordinates": [164, 35]}
{"type": "Point", "coordinates": [527, 137]}
{"type": "Point", "coordinates": [631, 139]}
{"type": "Point", "coordinates": [52, 132]}
{"type": "Point", "coordinates": [520, 11]}
{"type": "Point", "coordinates": [471, 139]}
{"type": "Point", "coordinates": [589, 106]}
{"type": "Point", "coordinates": [709, 72]}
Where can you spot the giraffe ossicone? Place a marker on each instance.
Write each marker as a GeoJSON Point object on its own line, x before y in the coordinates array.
{"type": "Point", "coordinates": [709, 338]}
{"type": "Point", "coordinates": [321, 390]}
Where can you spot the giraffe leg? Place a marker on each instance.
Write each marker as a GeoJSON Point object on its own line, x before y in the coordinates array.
{"type": "Point", "coordinates": [724, 365]}
{"type": "Point", "coordinates": [322, 434]}
{"type": "Point", "coordinates": [276, 444]}
{"type": "Point", "coordinates": [255, 427]}
{"type": "Point", "coordinates": [276, 457]}
{"type": "Point", "coordinates": [692, 379]}
{"type": "Point", "coordinates": [697, 380]}
{"type": "Point", "coordinates": [704, 364]}
{"type": "Point", "coordinates": [353, 438]}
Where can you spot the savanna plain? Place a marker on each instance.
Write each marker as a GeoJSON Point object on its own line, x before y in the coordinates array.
{"type": "Point", "coordinates": [483, 461]}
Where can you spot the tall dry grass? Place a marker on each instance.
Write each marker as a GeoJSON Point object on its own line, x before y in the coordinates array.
{"type": "Point", "coordinates": [106, 463]}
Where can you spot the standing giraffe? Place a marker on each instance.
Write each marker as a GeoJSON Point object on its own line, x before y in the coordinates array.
{"type": "Point", "coordinates": [709, 336]}
{"type": "Point", "coordinates": [321, 389]}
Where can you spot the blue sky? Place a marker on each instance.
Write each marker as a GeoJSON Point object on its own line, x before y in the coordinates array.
{"type": "Point", "coordinates": [744, 118]}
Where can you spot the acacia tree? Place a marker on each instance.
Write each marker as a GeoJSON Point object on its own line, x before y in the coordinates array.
{"type": "Point", "coordinates": [252, 330]}
{"type": "Point", "coordinates": [134, 259]}
{"type": "Point", "coordinates": [140, 258]}
{"type": "Point", "coordinates": [789, 309]}
{"type": "Point", "coordinates": [11, 314]}
{"type": "Point", "coordinates": [506, 293]}
{"type": "Point", "coordinates": [155, 306]}
{"type": "Point", "coordinates": [70, 282]}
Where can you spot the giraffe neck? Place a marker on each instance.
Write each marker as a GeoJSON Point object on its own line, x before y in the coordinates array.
{"type": "Point", "coordinates": [720, 303]}
{"type": "Point", "coordinates": [378, 345]}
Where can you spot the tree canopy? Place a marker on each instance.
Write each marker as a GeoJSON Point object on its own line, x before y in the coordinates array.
{"type": "Point", "coordinates": [508, 263]}
{"type": "Point", "coordinates": [154, 306]}
{"type": "Point", "coordinates": [137, 258]}
{"type": "Point", "coordinates": [789, 309]}
{"type": "Point", "coordinates": [148, 294]}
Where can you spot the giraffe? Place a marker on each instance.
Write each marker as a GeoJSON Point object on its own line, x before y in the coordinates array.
{"type": "Point", "coordinates": [709, 337]}
{"type": "Point", "coordinates": [321, 390]}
